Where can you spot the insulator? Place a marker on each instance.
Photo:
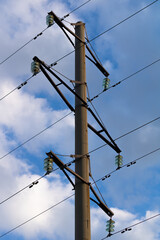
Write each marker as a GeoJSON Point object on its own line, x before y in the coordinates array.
{"type": "Point", "coordinates": [35, 67]}
{"type": "Point", "coordinates": [49, 19]}
{"type": "Point", "coordinates": [106, 82]}
{"type": "Point", "coordinates": [119, 160]}
{"type": "Point", "coordinates": [48, 165]}
{"type": "Point", "coordinates": [110, 226]}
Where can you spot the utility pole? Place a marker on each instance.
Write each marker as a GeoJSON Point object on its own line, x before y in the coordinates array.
{"type": "Point", "coordinates": [82, 195]}
{"type": "Point", "coordinates": [82, 186]}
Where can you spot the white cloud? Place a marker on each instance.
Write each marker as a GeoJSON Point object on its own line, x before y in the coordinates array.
{"type": "Point", "coordinates": [26, 112]}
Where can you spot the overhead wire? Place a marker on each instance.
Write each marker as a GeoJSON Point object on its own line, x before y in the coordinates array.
{"type": "Point", "coordinates": [18, 87]}
{"type": "Point", "coordinates": [39, 34]}
{"type": "Point", "coordinates": [127, 133]}
{"type": "Point", "coordinates": [95, 108]}
{"type": "Point", "coordinates": [55, 62]}
{"type": "Point", "coordinates": [27, 221]}
{"type": "Point", "coordinates": [29, 185]}
{"type": "Point", "coordinates": [34, 38]}
{"type": "Point", "coordinates": [92, 46]}
{"type": "Point", "coordinates": [133, 162]}
{"type": "Point", "coordinates": [43, 130]}
{"type": "Point", "coordinates": [109, 29]}
{"type": "Point", "coordinates": [35, 182]}
{"type": "Point", "coordinates": [34, 136]}
{"type": "Point", "coordinates": [80, 6]}
{"type": "Point", "coordinates": [104, 177]}
{"type": "Point", "coordinates": [129, 228]}
{"type": "Point", "coordinates": [94, 182]}
{"type": "Point", "coordinates": [96, 96]}
{"type": "Point", "coordinates": [124, 20]}
{"type": "Point", "coordinates": [72, 195]}
{"type": "Point", "coordinates": [126, 78]}
{"type": "Point", "coordinates": [26, 81]}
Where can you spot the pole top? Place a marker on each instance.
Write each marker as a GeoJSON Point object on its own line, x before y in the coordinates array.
{"type": "Point", "coordinates": [78, 23]}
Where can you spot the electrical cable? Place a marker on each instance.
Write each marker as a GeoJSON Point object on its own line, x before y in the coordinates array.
{"type": "Point", "coordinates": [34, 182]}
{"type": "Point", "coordinates": [20, 225]}
{"type": "Point", "coordinates": [19, 86]}
{"type": "Point", "coordinates": [130, 227]}
{"type": "Point", "coordinates": [37, 134]}
{"type": "Point", "coordinates": [25, 82]}
{"type": "Point", "coordinates": [70, 155]}
{"type": "Point", "coordinates": [29, 185]}
{"type": "Point", "coordinates": [80, 6]}
{"type": "Point", "coordinates": [94, 107]}
{"type": "Point", "coordinates": [124, 79]}
{"type": "Point", "coordinates": [34, 38]}
{"type": "Point", "coordinates": [23, 46]}
{"type": "Point", "coordinates": [124, 20]}
{"type": "Point", "coordinates": [133, 162]}
{"type": "Point", "coordinates": [95, 182]}
{"type": "Point", "coordinates": [127, 133]}
{"type": "Point", "coordinates": [92, 46]}
{"type": "Point", "coordinates": [73, 161]}
{"type": "Point", "coordinates": [91, 99]}
{"type": "Point", "coordinates": [137, 128]}
{"type": "Point", "coordinates": [55, 62]}
{"type": "Point", "coordinates": [72, 196]}
{"type": "Point", "coordinates": [61, 74]}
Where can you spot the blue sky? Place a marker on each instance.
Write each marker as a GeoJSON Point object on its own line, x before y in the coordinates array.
{"type": "Point", "coordinates": [132, 193]}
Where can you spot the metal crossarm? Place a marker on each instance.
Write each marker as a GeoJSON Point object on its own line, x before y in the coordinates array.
{"type": "Point", "coordinates": [62, 26]}
{"type": "Point", "coordinates": [63, 167]}
{"type": "Point", "coordinates": [112, 144]}
{"type": "Point", "coordinates": [103, 206]}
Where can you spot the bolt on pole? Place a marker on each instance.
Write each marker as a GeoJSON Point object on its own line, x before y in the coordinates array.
{"type": "Point", "coordinates": [82, 195]}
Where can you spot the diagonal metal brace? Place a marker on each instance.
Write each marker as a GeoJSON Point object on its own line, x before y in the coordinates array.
{"type": "Point", "coordinates": [61, 165]}
{"type": "Point", "coordinates": [62, 26]}
{"type": "Point", "coordinates": [113, 146]}
{"type": "Point", "coordinates": [101, 204]}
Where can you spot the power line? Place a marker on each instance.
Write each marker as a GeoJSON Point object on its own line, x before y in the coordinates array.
{"type": "Point", "coordinates": [109, 29]}
{"type": "Point", "coordinates": [29, 185]}
{"type": "Point", "coordinates": [96, 96]}
{"type": "Point", "coordinates": [130, 227]}
{"type": "Point", "coordinates": [35, 136]}
{"type": "Point", "coordinates": [127, 133]}
{"type": "Point", "coordinates": [80, 6]}
{"type": "Point", "coordinates": [18, 87]}
{"type": "Point", "coordinates": [124, 20]}
{"type": "Point", "coordinates": [20, 225]}
{"type": "Point", "coordinates": [55, 62]}
{"type": "Point", "coordinates": [138, 128]}
{"type": "Point", "coordinates": [23, 46]}
{"type": "Point", "coordinates": [39, 34]}
{"type": "Point", "coordinates": [133, 162]}
{"type": "Point", "coordinates": [94, 182]}
{"type": "Point", "coordinates": [89, 40]}
{"type": "Point", "coordinates": [35, 182]}
{"type": "Point", "coordinates": [26, 81]}
{"type": "Point", "coordinates": [92, 46]}
{"type": "Point", "coordinates": [69, 163]}
{"type": "Point", "coordinates": [95, 108]}
{"type": "Point", "coordinates": [124, 79]}
{"type": "Point", "coordinates": [70, 155]}
{"type": "Point", "coordinates": [102, 178]}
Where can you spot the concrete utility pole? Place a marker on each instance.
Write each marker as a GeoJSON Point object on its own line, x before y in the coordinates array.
{"type": "Point", "coordinates": [82, 196]}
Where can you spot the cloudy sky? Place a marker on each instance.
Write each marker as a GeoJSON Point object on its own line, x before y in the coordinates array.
{"type": "Point", "coordinates": [132, 192]}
